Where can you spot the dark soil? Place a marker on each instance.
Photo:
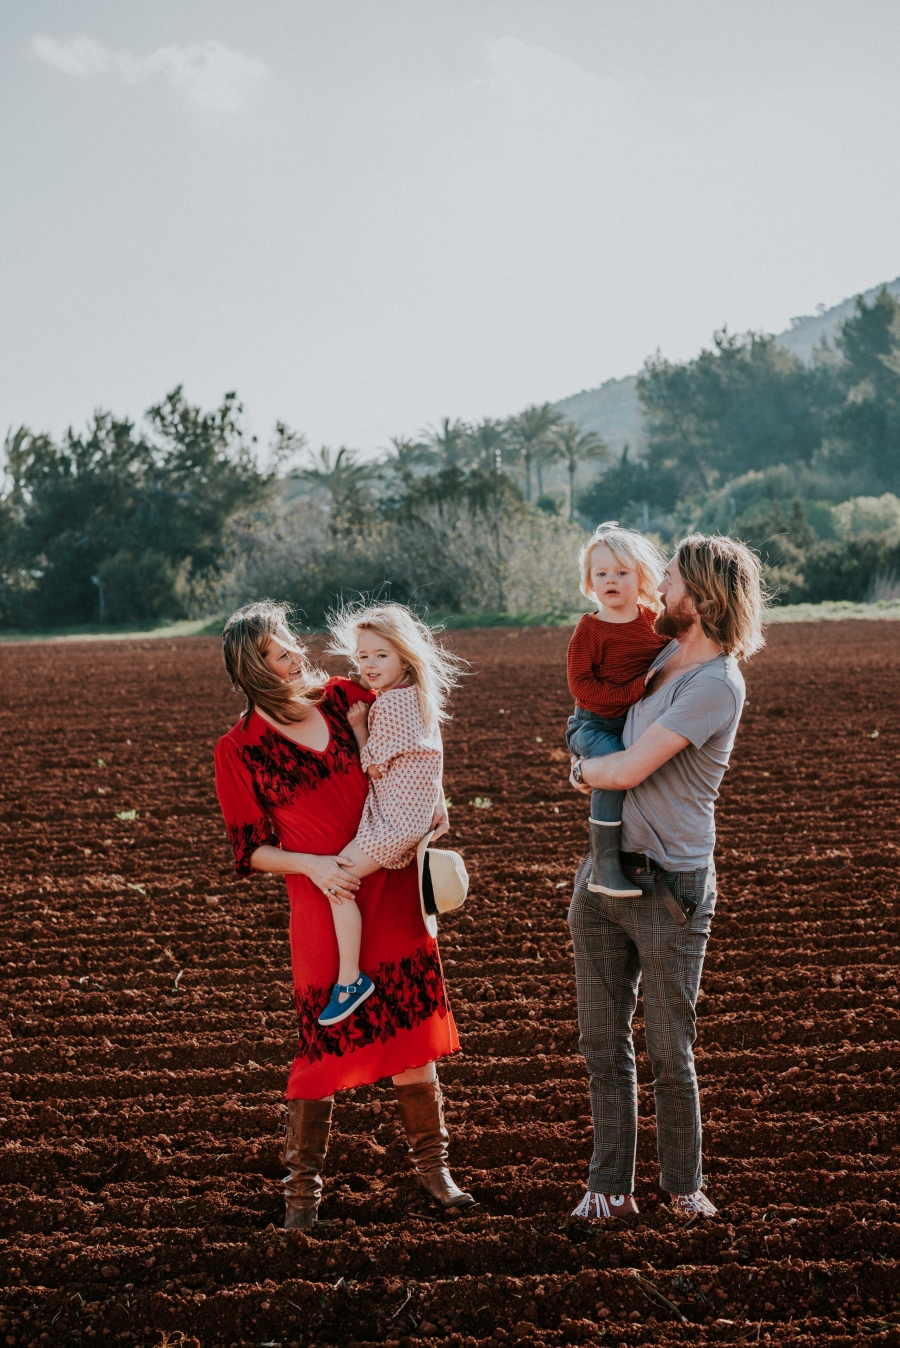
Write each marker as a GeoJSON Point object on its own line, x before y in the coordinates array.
{"type": "Point", "coordinates": [149, 1026]}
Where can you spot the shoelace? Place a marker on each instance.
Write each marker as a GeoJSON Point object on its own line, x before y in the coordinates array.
{"type": "Point", "coordinates": [597, 1205]}
{"type": "Point", "coordinates": [696, 1203]}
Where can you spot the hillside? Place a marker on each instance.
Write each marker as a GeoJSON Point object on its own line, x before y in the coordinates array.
{"type": "Point", "coordinates": [613, 410]}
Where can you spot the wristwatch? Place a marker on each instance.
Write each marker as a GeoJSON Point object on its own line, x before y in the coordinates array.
{"type": "Point", "coordinates": [576, 771]}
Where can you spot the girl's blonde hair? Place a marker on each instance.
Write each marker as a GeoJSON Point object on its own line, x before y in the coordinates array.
{"type": "Point", "coordinates": [629, 548]}
{"type": "Point", "coordinates": [433, 671]}
{"type": "Point", "coordinates": [724, 579]}
{"type": "Point", "coordinates": [247, 636]}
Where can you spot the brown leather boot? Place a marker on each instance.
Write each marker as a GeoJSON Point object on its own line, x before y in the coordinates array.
{"type": "Point", "coordinates": [422, 1110]}
{"type": "Point", "coordinates": [305, 1145]}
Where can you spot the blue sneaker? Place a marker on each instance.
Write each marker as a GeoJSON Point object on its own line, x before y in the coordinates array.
{"type": "Point", "coordinates": [355, 994]}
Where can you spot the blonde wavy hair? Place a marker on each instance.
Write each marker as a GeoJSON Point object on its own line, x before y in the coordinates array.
{"type": "Point", "coordinates": [630, 548]}
{"type": "Point", "coordinates": [247, 637]}
{"type": "Point", "coordinates": [433, 671]}
{"type": "Point", "coordinates": [724, 580]}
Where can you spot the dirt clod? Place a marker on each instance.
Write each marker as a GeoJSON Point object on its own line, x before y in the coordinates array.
{"type": "Point", "coordinates": [148, 1025]}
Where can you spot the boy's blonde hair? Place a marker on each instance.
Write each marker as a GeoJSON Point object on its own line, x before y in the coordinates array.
{"type": "Point", "coordinates": [724, 579]}
{"type": "Point", "coordinates": [630, 548]}
{"type": "Point", "coordinates": [247, 636]}
{"type": "Point", "coordinates": [432, 670]}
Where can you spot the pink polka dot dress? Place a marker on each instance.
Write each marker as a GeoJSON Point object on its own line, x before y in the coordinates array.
{"type": "Point", "coordinates": [400, 804]}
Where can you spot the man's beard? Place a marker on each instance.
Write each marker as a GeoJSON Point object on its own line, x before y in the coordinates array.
{"type": "Point", "coordinates": [674, 622]}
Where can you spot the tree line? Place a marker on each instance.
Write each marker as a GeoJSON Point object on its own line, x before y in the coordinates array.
{"type": "Point", "coordinates": [184, 514]}
{"type": "Point", "coordinates": [126, 523]}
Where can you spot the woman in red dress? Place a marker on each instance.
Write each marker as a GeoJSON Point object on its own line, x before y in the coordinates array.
{"type": "Point", "coordinates": [292, 791]}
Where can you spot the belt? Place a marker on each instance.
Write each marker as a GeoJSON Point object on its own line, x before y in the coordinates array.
{"type": "Point", "coordinates": [680, 911]}
{"type": "Point", "coordinates": [640, 861]}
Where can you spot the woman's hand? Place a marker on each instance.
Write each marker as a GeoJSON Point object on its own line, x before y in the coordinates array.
{"type": "Point", "coordinates": [330, 875]}
{"type": "Point", "coordinates": [440, 820]}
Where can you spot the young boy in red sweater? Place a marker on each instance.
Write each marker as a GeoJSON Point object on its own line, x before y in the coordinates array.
{"type": "Point", "coordinates": [608, 659]}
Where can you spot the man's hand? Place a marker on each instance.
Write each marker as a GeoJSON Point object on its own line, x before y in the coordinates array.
{"type": "Point", "coordinates": [622, 771]}
{"type": "Point", "coordinates": [440, 820]}
{"type": "Point", "coordinates": [579, 786]}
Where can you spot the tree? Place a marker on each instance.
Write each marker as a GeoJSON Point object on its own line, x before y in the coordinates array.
{"type": "Point", "coordinates": [747, 404]}
{"type": "Point", "coordinates": [451, 443]}
{"type": "Point", "coordinates": [864, 425]}
{"type": "Point", "coordinates": [531, 435]}
{"type": "Point", "coordinates": [486, 445]}
{"type": "Point", "coordinates": [345, 482]}
{"type": "Point", "coordinates": [574, 447]}
{"type": "Point", "coordinates": [128, 516]}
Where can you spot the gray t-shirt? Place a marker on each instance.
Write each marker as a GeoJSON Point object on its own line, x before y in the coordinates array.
{"type": "Point", "coordinates": [670, 816]}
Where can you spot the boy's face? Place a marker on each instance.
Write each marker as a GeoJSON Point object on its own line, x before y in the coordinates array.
{"type": "Point", "coordinates": [614, 583]}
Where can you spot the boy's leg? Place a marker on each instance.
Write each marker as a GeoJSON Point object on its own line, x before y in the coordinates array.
{"type": "Point", "coordinates": [590, 739]}
{"type": "Point", "coordinates": [607, 805]}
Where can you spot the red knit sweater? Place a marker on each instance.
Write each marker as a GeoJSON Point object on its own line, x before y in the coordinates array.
{"type": "Point", "coordinates": [607, 662]}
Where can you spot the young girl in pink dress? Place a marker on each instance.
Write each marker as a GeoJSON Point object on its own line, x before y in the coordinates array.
{"type": "Point", "coordinates": [399, 738]}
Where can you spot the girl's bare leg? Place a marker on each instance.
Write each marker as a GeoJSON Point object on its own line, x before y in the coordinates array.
{"type": "Point", "coordinates": [348, 930]}
{"type": "Point", "coordinates": [347, 917]}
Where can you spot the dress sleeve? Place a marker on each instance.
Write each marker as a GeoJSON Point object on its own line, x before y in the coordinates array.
{"type": "Point", "coordinates": [248, 824]}
{"type": "Point", "coordinates": [345, 692]}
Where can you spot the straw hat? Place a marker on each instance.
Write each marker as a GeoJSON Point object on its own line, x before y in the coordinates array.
{"type": "Point", "coordinates": [443, 882]}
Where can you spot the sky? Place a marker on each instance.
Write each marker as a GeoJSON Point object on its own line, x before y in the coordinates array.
{"type": "Point", "coordinates": [364, 215]}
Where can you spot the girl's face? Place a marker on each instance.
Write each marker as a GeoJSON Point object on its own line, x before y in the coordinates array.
{"type": "Point", "coordinates": [380, 666]}
{"type": "Point", "coordinates": [284, 657]}
{"type": "Point", "coordinates": [614, 583]}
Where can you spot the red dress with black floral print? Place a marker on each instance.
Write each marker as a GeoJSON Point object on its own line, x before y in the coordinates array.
{"type": "Point", "coordinates": [273, 791]}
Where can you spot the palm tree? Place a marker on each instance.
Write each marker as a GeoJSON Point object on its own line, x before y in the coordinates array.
{"type": "Point", "coordinates": [486, 445]}
{"type": "Point", "coordinates": [574, 447]}
{"type": "Point", "coordinates": [343, 477]}
{"type": "Point", "coordinates": [451, 443]}
{"type": "Point", "coordinates": [407, 455]}
{"type": "Point", "coordinates": [531, 433]}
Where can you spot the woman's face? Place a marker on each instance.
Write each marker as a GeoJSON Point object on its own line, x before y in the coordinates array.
{"type": "Point", "coordinates": [380, 667]}
{"type": "Point", "coordinates": [284, 657]}
{"type": "Point", "coordinates": [615, 584]}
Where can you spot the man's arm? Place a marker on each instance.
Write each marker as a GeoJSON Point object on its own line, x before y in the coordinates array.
{"type": "Point", "coordinates": [620, 772]}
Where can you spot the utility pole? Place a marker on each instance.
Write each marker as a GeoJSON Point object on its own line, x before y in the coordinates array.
{"type": "Point", "coordinates": [498, 539]}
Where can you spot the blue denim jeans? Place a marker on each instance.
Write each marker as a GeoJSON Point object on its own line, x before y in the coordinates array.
{"type": "Point", "coordinates": [592, 736]}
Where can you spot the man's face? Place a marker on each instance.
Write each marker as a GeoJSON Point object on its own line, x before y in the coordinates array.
{"type": "Point", "coordinates": [679, 613]}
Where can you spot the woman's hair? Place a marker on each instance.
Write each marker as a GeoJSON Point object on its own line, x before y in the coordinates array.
{"type": "Point", "coordinates": [247, 636]}
{"type": "Point", "coordinates": [629, 548]}
{"type": "Point", "coordinates": [432, 670]}
{"type": "Point", "coordinates": [724, 579]}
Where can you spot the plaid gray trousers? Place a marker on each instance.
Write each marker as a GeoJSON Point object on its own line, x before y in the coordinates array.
{"type": "Point", "coordinates": [617, 942]}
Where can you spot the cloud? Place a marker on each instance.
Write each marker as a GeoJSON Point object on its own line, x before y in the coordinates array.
{"type": "Point", "coordinates": [208, 74]}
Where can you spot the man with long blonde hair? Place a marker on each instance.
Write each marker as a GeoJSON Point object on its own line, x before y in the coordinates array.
{"type": "Point", "coordinates": [677, 742]}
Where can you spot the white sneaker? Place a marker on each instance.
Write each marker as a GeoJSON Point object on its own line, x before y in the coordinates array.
{"type": "Point", "coordinates": [597, 1206]}
{"type": "Point", "coordinates": [693, 1205]}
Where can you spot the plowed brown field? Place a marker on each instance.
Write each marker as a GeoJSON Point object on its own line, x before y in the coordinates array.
{"type": "Point", "coordinates": [149, 1026]}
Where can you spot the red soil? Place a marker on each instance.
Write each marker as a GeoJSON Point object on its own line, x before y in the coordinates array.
{"type": "Point", "coordinates": [149, 1027]}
